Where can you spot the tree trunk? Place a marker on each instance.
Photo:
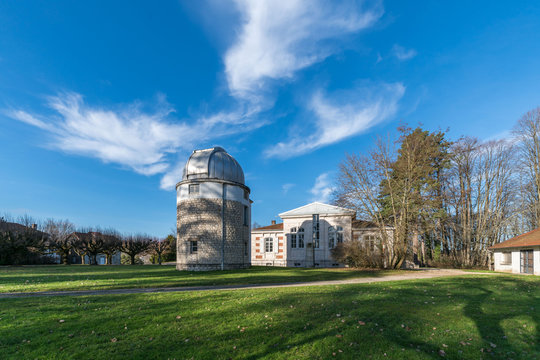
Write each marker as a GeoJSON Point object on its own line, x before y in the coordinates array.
{"type": "Point", "coordinates": [132, 259]}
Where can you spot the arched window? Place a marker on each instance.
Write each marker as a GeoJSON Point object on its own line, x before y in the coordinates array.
{"type": "Point", "coordinates": [300, 237]}
{"type": "Point", "coordinates": [268, 245]}
{"type": "Point", "coordinates": [331, 237]}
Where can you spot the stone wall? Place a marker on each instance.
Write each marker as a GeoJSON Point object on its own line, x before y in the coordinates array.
{"type": "Point", "coordinates": [200, 220]}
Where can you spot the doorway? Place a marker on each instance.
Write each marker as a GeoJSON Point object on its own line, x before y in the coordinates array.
{"type": "Point", "coordinates": [526, 262]}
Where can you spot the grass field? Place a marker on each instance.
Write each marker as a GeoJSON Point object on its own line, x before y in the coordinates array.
{"type": "Point", "coordinates": [80, 277]}
{"type": "Point", "coordinates": [471, 317]}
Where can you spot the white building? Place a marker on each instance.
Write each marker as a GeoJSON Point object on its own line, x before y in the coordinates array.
{"type": "Point", "coordinates": [307, 235]}
{"type": "Point", "coordinates": [519, 255]}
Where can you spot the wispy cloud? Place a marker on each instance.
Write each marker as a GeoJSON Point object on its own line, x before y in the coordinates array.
{"type": "Point", "coordinates": [130, 136]}
{"type": "Point", "coordinates": [403, 54]}
{"type": "Point", "coordinates": [322, 190]}
{"type": "Point", "coordinates": [341, 115]}
{"type": "Point", "coordinates": [286, 187]}
{"type": "Point", "coordinates": [278, 38]}
{"type": "Point", "coordinates": [274, 41]}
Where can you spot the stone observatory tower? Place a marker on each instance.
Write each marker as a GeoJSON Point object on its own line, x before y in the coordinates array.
{"type": "Point", "coordinates": [213, 213]}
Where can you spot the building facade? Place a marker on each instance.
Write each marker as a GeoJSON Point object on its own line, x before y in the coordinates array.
{"type": "Point", "coordinates": [213, 213]}
{"type": "Point", "coordinates": [307, 236]}
{"type": "Point", "coordinates": [518, 255]}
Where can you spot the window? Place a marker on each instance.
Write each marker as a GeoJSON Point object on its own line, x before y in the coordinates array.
{"type": "Point", "coordinates": [193, 188]}
{"type": "Point", "coordinates": [246, 194]}
{"type": "Point", "coordinates": [316, 234]}
{"type": "Point", "coordinates": [369, 242]}
{"type": "Point", "coordinates": [293, 237]}
{"type": "Point", "coordinates": [268, 245]}
{"type": "Point", "coordinates": [245, 248]}
{"type": "Point", "coordinates": [506, 258]}
{"type": "Point", "coordinates": [339, 234]}
{"type": "Point", "coordinates": [193, 247]}
{"type": "Point", "coordinates": [246, 216]}
{"type": "Point", "coordinates": [331, 237]}
{"type": "Point", "coordinates": [300, 235]}
{"type": "Point", "coordinates": [526, 261]}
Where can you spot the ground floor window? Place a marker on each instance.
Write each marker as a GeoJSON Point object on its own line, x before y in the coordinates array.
{"type": "Point", "coordinates": [370, 242]}
{"type": "Point", "coordinates": [268, 245]}
{"type": "Point", "coordinates": [339, 234]}
{"type": "Point", "coordinates": [193, 246]}
{"type": "Point", "coordinates": [506, 258]}
{"type": "Point", "coordinates": [300, 237]}
{"type": "Point", "coordinates": [293, 237]}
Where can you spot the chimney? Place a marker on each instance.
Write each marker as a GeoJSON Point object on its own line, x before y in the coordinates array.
{"type": "Point", "coordinates": [273, 222]}
{"type": "Point", "coordinates": [34, 226]}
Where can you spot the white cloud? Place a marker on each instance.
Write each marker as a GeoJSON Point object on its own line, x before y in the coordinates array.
{"type": "Point", "coordinates": [403, 54]}
{"type": "Point", "coordinates": [27, 118]}
{"type": "Point", "coordinates": [286, 187]}
{"type": "Point", "coordinates": [140, 140]}
{"type": "Point", "coordinates": [340, 116]}
{"type": "Point", "coordinates": [322, 190]}
{"type": "Point", "coordinates": [275, 40]}
{"type": "Point", "coordinates": [278, 38]}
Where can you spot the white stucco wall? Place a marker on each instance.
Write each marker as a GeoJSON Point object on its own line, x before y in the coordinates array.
{"type": "Point", "coordinates": [536, 261]}
{"type": "Point", "coordinates": [323, 253]}
{"type": "Point", "coordinates": [277, 257]}
{"type": "Point", "coordinates": [515, 267]}
{"type": "Point", "coordinates": [497, 259]}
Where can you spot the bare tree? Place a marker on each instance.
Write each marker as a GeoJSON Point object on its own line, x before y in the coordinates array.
{"type": "Point", "coordinates": [397, 188]}
{"type": "Point", "coordinates": [159, 247]}
{"type": "Point", "coordinates": [359, 181]}
{"type": "Point", "coordinates": [88, 242]}
{"type": "Point", "coordinates": [59, 237]}
{"type": "Point", "coordinates": [134, 245]}
{"type": "Point", "coordinates": [111, 244]}
{"type": "Point", "coordinates": [480, 198]}
{"type": "Point", "coordinates": [527, 133]}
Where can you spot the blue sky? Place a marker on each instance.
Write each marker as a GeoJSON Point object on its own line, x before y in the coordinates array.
{"type": "Point", "coordinates": [102, 102]}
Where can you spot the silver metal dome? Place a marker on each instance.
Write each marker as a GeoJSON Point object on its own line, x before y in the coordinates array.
{"type": "Point", "coordinates": [214, 163]}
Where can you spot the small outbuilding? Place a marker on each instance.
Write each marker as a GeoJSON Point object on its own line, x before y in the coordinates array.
{"type": "Point", "coordinates": [518, 255]}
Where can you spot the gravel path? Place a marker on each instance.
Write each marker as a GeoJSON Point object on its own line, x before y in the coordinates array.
{"type": "Point", "coordinates": [409, 275]}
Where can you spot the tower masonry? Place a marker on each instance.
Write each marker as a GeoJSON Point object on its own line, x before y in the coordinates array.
{"type": "Point", "coordinates": [213, 213]}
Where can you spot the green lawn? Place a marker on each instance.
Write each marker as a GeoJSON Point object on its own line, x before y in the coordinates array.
{"type": "Point", "coordinates": [471, 317]}
{"type": "Point", "coordinates": [81, 277]}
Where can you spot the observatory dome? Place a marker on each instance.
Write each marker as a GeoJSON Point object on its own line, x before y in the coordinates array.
{"type": "Point", "coordinates": [214, 163]}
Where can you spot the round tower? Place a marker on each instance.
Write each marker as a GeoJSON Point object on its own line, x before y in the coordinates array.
{"type": "Point", "coordinates": [213, 213]}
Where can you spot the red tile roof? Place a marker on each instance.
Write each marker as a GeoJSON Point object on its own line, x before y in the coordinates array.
{"type": "Point", "coordinates": [532, 238]}
{"type": "Point", "coordinates": [275, 227]}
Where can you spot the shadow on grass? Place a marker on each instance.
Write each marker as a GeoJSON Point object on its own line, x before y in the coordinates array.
{"type": "Point", "coordinates": [417, 316]}
{"type": "Point", "coordinates": [101, 277]}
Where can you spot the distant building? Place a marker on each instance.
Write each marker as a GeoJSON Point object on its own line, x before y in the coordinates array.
{"type": "Point", "coordinates": [112, 258]}
{"type": "Point", "coordinates": [308, 234]}
{"type": "Point", "coordinates": [518, 255]}
{"type": "Point", "coordinates": [213, 213]}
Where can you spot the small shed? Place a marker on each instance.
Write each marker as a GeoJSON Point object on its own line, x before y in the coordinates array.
{"type": "Point", "coordinates": [518, 255]}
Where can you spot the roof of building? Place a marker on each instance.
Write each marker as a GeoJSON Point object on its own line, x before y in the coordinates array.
{"type": "Point", "coordinates": [7, 226]}
{"type": "Point", "coordinates": [274, 227]}
{"type": "Point", "coordinates": [362, 224]}
{"type": "Point", "coordinates": [92, 234]}
{"type": "Point", "coordinates": [214, 163]}
{"type": "Point", "coordinates": [531, 238]}
{"type": "Point", "coordinates": [318, 208]}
